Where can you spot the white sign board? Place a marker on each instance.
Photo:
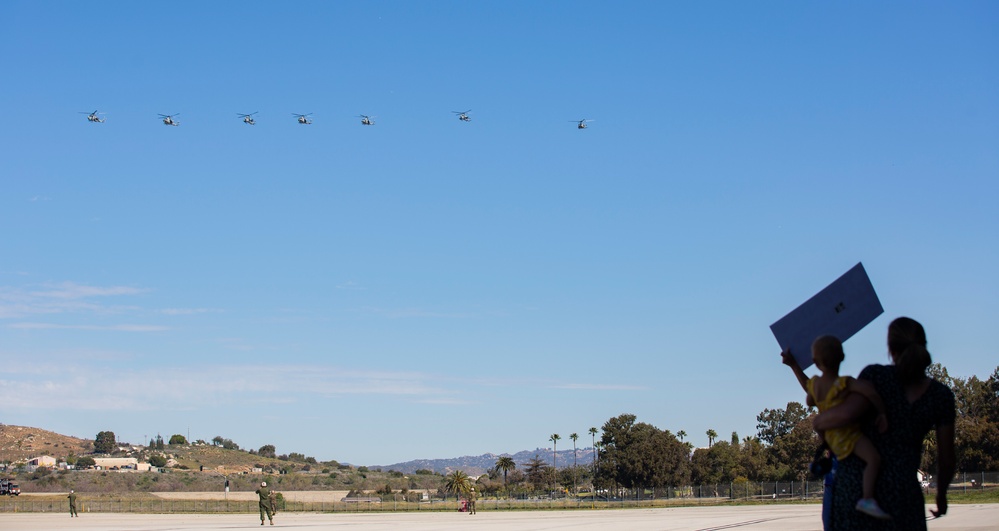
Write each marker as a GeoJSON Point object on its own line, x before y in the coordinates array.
{"type": "Point", "coordinates": [842, 309]}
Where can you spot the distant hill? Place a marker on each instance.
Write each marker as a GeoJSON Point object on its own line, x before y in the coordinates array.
{"type": "Point", "coordinates": [475, 465]}
{"type": "Point", "coordinates": [20, 443]}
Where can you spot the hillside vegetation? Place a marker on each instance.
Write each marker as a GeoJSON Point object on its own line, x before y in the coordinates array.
{"type": "Point", "coordinates": [20, 443]}
{"type": "Point", "coordinates": [200, 467]}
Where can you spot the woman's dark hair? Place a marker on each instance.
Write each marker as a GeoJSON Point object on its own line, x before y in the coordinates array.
{"type": "Point", "coordinates": [907, 346]}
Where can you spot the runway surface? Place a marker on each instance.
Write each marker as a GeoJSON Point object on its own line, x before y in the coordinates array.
{"type": "Point", "coordinates": [775, 517]}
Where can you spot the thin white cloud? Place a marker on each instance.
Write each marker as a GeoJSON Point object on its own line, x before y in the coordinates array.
{"type": "Point", "coordinates": [71, 290]}
{"type": "Point", "coordinates": [111, 388]}
{"type": "Point", "coordinates": [117, 328]}
{"type": "Point", "coordinates": [447, 401]}
{"type": "Point", "coordinates": [599, 387]}
{"type": "Point", "coordinates": [187, 311]}
{"type": "Point", "coordinates": [402, 313]}
{"type": "Point", "coordinates": [67, 297]}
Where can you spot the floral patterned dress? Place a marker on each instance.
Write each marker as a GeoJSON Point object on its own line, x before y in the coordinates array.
{"type": "Point", "coordinates": [898, 491]}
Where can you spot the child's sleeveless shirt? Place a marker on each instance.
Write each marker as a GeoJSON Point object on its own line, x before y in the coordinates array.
{"type": "Point", "coordinates": [840, 440]}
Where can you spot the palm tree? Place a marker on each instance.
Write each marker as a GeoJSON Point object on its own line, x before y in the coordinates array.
{"type": "Point", "coordinates": [458, 483]}
{"type": "Point", "coordinates": [711, 437]}
{"type": "Point", "coordinates": [505, 464]}
{"type": "Point", "coordinates": [681, 434]}
{"type": "Point", "coordinates": [593, 441]}
{"type": "Point", "coordinates": [574, 436]}
{"type": "Point", "coordinates": [555, 438]}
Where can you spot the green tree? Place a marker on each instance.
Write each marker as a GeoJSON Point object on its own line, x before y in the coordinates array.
{"type": "Point", "coordinates": [681, 434]}
{"type": "Point", "coordinates": [105, 443]}
{"type": "Point", "coordinates": [506, 464]}
{"type": "Point", "coordinates": [177, 439]}
{"type": "Point", "coordinates": [536, 471]}
{"type": "Point", "coordinates": [976, 427]}
{"type": "Point", "coordinates": [217, 440]}
{"type": "Point", "coordinates": [711, 437]}
{"type": "Point", "coordinates": [158, 460]}
{"type": "Point", "coordinates": [791, 453]}
{"type": "Point", "coordinates": [637, 454]}
{"type": "Point", "coordinates": [753, 460]}
{"type": "Point", "coordinates": [268, 450]}
{"type": "Point", "coordinates": [718, 463]}
{"type": "Point", "coordinates": [774, 423]}
{"type": "Point", "coordinates": [85, 462]}
{"type": "Point", "coordinates": [457, 483]}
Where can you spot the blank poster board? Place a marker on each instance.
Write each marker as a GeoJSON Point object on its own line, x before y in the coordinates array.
{"type": "Point", "coordinates": [842, 309]}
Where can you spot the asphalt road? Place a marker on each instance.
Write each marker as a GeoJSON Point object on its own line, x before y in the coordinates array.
{"type": "Point", "coordinates": [772, 517]}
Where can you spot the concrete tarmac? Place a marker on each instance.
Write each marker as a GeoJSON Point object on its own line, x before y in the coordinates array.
{"type": "Point", "coordinates": [757, 518]}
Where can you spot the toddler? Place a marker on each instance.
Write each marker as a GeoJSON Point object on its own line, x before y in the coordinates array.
{"type": "Point", "coordinates": [830, 389]}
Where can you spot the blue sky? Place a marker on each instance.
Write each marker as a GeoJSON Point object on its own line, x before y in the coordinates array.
{"type": "Point", "coordinates": [431, 288]}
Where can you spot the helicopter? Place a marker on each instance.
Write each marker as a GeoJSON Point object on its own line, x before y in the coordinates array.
{"type": "Point", "coordinates": [303, 118]}
{"type": "Point", "coordinates": [168, 119]}
{"type": "Point", "coordinates": [366, 120]}
{"type": "Point", "coordinates": [581, 124]}
{"type": "Point", "coordinates": [248, 118]}
{"type": "Point", "coordinates": [94, 117]}
{"type": "Point", "coordinates": [463, 115]}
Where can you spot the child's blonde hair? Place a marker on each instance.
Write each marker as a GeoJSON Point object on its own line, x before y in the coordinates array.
{"type": "Point", "coordinates": [829, 350]}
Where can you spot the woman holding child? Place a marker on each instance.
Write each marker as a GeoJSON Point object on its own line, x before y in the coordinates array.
{"type": "Point", "coordinates": [914, 404]}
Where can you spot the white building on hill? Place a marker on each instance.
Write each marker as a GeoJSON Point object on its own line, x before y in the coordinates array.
{"type": "Point", "coordinates": [42, 460]}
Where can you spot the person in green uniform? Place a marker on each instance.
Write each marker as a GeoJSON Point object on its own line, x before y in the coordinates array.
{"type": "Point", "coordinates": [72, 504]}
{"type": "Point", "coordinates": [472, 496]}
{"type": "Point", "coordinates": [265, 503]}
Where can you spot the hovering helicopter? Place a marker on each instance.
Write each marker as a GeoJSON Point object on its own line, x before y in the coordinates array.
{"type": "Point", "coordinates": [303, 118]}
{"type": "Point", "coordinates": [248, 118]}
{"type": "Point", "coordinates": [463, 115]}
{"type": "Point", "coordinates": [581, 124]}
{"type": "Point", "coordinates": [168, 119]}
{"type": "Point", "coordinates": [366, 120]}
{"type": "Point", "coordinates": [94, 117]}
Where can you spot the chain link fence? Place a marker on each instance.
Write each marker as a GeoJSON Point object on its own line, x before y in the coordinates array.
{"type": "Point", "coordinates": [621, 498]}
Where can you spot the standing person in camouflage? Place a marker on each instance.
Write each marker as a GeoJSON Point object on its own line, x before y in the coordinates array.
{"type": "Point", "coordinates": [472, 496]}
{"type": "Point", "coordinates": [72, 504]}
{"type": "Point", "coordinates": [265, 503]}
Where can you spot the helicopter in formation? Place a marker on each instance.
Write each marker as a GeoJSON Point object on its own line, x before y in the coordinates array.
{"type": "Point", "coordinates": [168, 119]}
{"type": "Point", "coordinates": [248, 118]}
{"type": "Point", "coordinates": [94, 117]}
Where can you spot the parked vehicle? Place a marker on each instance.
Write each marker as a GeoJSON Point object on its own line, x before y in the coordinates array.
{"type": "Point", "coordinates": [9, 488]}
